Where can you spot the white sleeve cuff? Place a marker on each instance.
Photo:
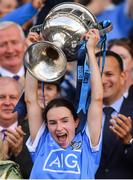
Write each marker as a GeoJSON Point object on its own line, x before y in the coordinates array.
{"type": "Point", "coordinates": [31, 145]}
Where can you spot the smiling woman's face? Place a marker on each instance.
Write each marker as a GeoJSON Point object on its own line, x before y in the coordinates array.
{"type": "Point", "coordinates": [61, 125]}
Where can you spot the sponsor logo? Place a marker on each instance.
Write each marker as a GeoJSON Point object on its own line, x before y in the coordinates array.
{"type": "Point", "coordinates": [60, 161]}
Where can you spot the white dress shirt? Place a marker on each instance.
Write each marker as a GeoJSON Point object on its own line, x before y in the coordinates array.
{"type": "Point", "coordinates": [12, 127]}
{"type": "Point", "coordinates": [5, 72]}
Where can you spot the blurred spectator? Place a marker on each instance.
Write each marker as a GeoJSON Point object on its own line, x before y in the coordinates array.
{"type": "Point", "coordinates": [7, 6]}
{"type": "Point", "coordinates": [121, 15]}
{"type": "Point", "coordinates": [24, 13]}
{"type": "Point", "coordinates": [124, 47]}
{"type": "Point", "coordinates": [12, 126]}
{"type": "Point", "coordinates": [97, 6]}
{"type": "Point", "coordinates": [51, 91]}
{"type": "Point", "coordinates": [12, 48]}
{"type": "Point", "coordinates": [120, 18]}
{"type": "Point", "coordinates": [38, 4]}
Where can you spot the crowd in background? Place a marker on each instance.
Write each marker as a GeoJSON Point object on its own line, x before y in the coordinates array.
{"type": "Point", "coordinates": [113, 147]}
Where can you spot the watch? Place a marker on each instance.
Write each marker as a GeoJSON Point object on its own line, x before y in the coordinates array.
{"type": "Point", "coordinates": [129, 144]}
{"type": "Point", "coordinates": [131, 141]}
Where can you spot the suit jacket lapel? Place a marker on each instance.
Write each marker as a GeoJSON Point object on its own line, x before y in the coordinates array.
{"type": "Point", "coordinates": [127, 108]}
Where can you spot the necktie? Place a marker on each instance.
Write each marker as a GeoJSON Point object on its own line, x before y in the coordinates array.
{"type": "Point", "coordinates": [107, 134]}
{"type": "Point", "coordinates": [108, 111]}
{"type": "Point", "coordinates": [16, 77]}
{"type": "Point", "coordinates": [3, 135]}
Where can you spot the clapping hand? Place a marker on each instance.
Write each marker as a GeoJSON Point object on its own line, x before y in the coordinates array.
{"type": "Point", "coordinates": [15, 140]}
{"type": "Point", "coordinates": [122, 126]}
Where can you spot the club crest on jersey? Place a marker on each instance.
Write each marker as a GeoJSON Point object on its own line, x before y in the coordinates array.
{"type": "Point", "coordinates": [60, 161]}
{"type": "Point", "coordinates": [76, 145]}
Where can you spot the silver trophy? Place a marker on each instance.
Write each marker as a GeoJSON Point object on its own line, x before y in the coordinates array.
{"type": "Point", "coordinates": [62, 31]}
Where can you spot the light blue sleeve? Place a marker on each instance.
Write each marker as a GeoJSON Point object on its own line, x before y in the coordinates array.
{"type": "Point", "coordinates": [34, 146]}
{"type": "Point", "coordinates": [20, 15]}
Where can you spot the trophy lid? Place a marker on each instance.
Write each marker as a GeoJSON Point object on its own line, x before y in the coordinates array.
{"type": "Point", "coordinates": [65, 25]}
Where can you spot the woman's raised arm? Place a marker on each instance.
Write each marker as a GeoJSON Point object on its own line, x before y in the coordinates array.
{"type": "Point", "coordinates": [94, 117]}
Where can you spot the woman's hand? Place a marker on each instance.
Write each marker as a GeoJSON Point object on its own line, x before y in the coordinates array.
{"type": "Point", "coordinates": [33, 37]}
{"type": "Point", "coordinates": [92, 37]}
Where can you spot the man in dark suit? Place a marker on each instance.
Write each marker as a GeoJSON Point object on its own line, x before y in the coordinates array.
{"type": "Point", "coordinates": [130, 93]}
{"type": "Point", "coordinates": [9, 95]}
{"type": "Point", "coordinates": [117, 152]}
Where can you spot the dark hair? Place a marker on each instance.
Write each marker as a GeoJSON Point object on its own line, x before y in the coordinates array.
{"type": "Point", "coordinates": [113, 54]}
{"type": "Point", "coordinates": [124, 42]}
{"type": "Point", "coordinates": [60, 102]}
{"type": "Point", "coordinates": [57, 83]}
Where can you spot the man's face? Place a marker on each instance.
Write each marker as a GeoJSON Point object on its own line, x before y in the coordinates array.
{"type": "Point", "coordinates": [61, 125]}
{"type": "Point", "coordinates": [12, 47]}
{"type": "Point", "coordinates": [113, 81]}
{"type": "Point", "coordinates": [127, 61]}
{"type": "Point", "coordinates": [9, 95]}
